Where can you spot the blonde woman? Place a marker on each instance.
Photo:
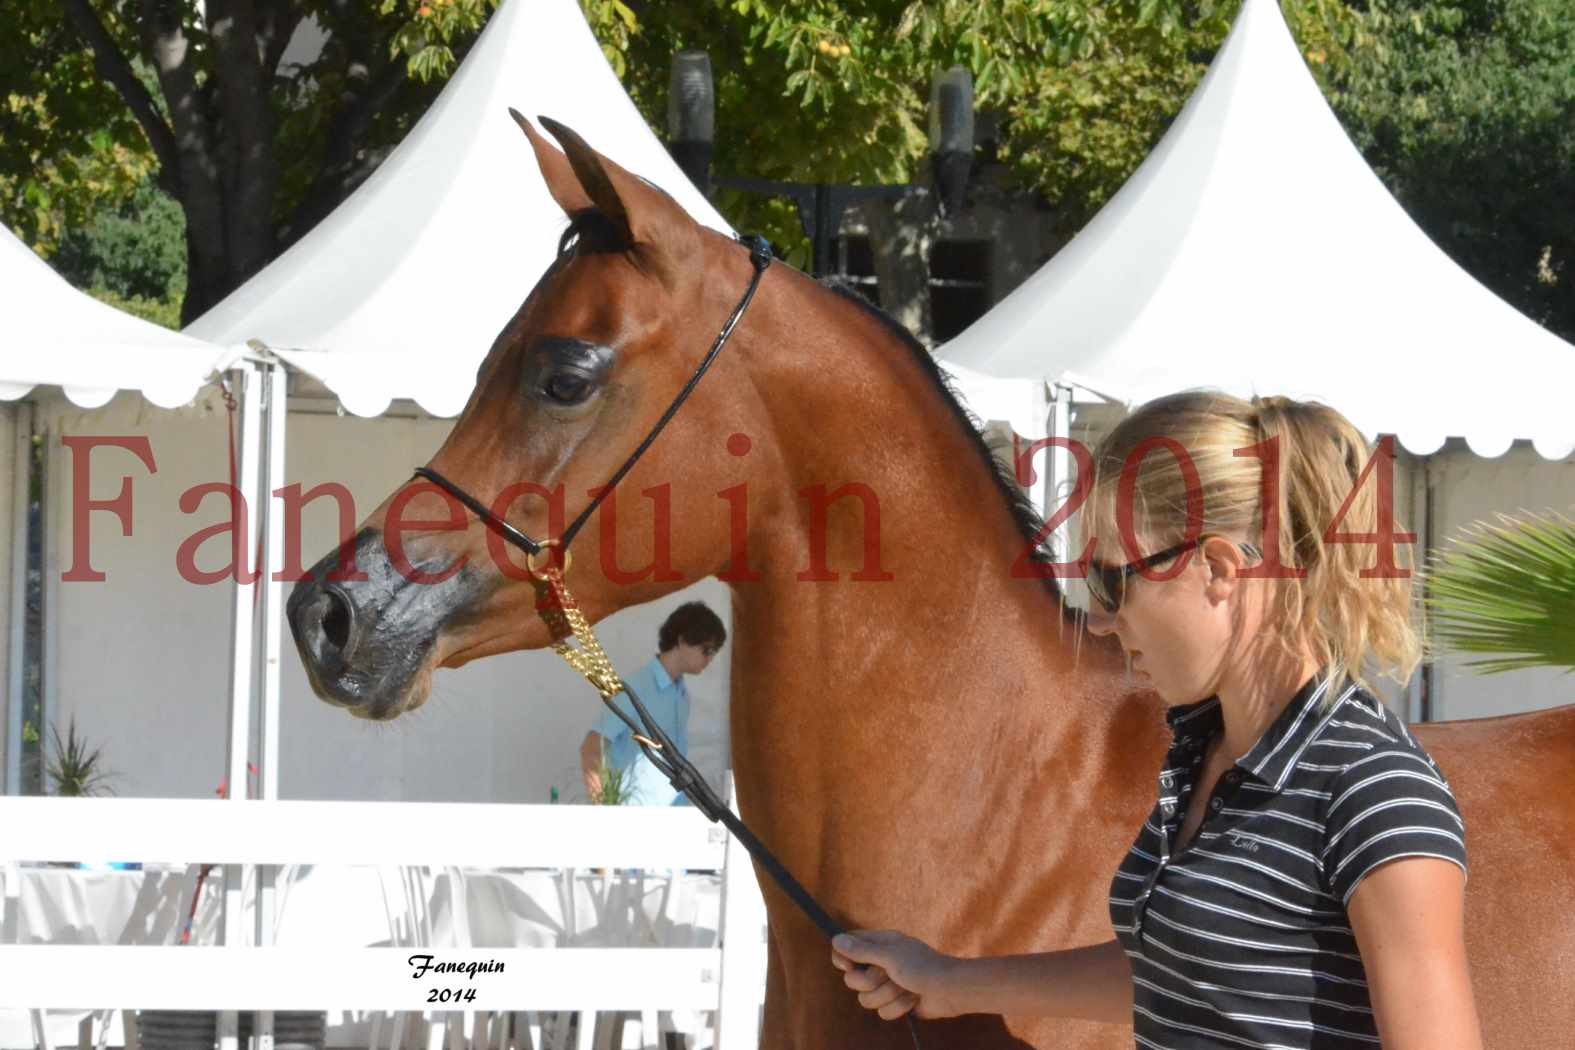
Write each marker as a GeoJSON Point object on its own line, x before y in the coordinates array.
{"type": "Point", "coordinates": [1301, 879]}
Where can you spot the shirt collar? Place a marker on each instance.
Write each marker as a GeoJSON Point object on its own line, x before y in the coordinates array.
{"type": "Point", "coordinates": [1195, 723]}
{"type": "Point", "coordinates": [1272, 758]}
{"type": "Point", "coordinates": [664, 680]}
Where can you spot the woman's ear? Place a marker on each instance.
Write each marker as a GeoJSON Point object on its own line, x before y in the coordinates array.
{"type": "Point", "coordinates": [1223, 563]}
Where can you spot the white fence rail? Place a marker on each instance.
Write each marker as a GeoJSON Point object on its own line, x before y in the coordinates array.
{"type": "Point", "coordinates": [251, 831]}
{"type": "Point", "coordinates": [728, 978]}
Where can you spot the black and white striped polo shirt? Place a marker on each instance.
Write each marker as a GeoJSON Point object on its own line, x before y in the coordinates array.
{"type": "Point", "coordinates": [1241, 939]}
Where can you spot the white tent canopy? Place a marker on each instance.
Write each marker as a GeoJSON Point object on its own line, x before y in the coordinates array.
{"type": "Point", "coordinates": [1255, 252]}
{"type": "Point", "coordinates": [401, 290]}
{"type": "Point", "coordinates": [52, 334]}
{"type": "Point", "coordinates": [1019, 403]}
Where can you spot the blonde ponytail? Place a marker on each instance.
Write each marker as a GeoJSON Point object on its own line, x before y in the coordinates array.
{"type": "Point", "coordinates": [1354, 604]}
{"type": "Point", "coordinates": [1356, 624]}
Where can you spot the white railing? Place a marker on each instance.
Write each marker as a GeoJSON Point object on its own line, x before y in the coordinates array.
{"type": "Point", "coordinates": [728, 979]}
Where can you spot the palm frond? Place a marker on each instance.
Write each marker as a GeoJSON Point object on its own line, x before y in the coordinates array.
{"type": "Point", "coordinates": [1505, 592]}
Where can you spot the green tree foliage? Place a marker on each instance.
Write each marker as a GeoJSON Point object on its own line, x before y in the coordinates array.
{"type": "Point", "coordinates": [164, 312]}
{"type": "Point", "coordinates": [136, 251]}
{"type": "Point", "coordinates": [67, 144]}
{"type": "Point", "coordinates": [825, 90]}
{"type": "Point", "coordinates": [1463, 106]}
{"type": "Point", "coordinates": [1466, 108]}
{"type": "Point", "coordinates": [255, 148]}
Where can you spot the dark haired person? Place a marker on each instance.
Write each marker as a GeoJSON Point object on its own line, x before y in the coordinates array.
{"type": "Point", "coordinates": [687, 641]}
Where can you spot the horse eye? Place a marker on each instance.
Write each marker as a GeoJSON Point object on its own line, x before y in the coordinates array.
{"type": "Point", "coordinates": [566, 388]}
{"type": "Point", "coordinates": [566, 373]}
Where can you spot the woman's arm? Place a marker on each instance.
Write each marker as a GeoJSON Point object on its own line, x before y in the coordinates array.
{"type": "Point", "coordinates": [901, 974]}
{"type": "Point", "coordinates": [1409, 919]}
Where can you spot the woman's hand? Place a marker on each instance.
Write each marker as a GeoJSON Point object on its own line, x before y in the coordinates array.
{"type": "Point", "coordinates": [898, 974]}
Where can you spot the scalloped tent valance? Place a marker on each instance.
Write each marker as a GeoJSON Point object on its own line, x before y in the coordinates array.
{"type": "Point", "coordinates": [53, 335]}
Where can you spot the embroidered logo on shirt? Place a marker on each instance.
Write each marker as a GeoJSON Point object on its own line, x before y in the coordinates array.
{"type": "Point", "coordinates": [1243, 842]}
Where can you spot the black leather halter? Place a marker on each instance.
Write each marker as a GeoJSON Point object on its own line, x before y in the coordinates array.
{"type": "Point", "coordinates": [759, 258]}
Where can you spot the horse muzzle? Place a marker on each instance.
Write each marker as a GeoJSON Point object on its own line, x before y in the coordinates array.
{"type": "Point", "coordinates": [364, 631]}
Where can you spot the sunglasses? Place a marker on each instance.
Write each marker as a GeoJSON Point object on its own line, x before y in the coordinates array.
{"type": "Point", "coordinates": [1107, 584]}
{"type": "Point", "coordinates": [709, 651]}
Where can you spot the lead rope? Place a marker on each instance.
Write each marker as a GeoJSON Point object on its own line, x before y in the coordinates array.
{"type": "Point", "coordinates": [564, 620]}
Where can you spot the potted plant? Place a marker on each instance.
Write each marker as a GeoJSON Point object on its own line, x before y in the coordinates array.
{"type": "Point", "coordinates": [76, 770]}
{"type": "Point", "coordinates": [617, 787]}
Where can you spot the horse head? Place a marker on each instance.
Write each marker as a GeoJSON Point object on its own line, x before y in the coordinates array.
{"type": "Point", "coordinates": [606, 339]}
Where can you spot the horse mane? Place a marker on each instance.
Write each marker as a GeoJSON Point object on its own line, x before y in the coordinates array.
{"type": "Point", "coordinates": [1024, 514]}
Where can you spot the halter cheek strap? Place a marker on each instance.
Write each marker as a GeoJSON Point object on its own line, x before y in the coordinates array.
{"type": "Point", "coordinates": [759, 259]}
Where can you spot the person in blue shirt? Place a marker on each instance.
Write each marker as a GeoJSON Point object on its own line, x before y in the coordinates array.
{"type": "Point", "coordinates": [687, 641]}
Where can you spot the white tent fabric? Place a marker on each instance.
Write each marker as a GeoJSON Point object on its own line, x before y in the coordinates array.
{"type": "Point", "coordinates": [401, 290]}
{"type": "Point", "coordinates": [52, 334]}
{"type": "Point", "coordinates": [1020, 403]}
{"type": "Point", "coordinates": [1255, 252]}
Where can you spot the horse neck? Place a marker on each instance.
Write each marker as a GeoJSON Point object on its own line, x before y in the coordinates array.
{"type": "Point", "coordinates": [897, 693]}
{"type": "Point", "coordinates": [846, 405]}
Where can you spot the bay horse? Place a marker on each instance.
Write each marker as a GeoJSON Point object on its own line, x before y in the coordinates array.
{"type": "Point", "coordinates": [921, 731]}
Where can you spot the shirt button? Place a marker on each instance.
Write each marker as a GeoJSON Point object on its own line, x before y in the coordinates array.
{"type": "Point", "coordinates": [1215, 803]}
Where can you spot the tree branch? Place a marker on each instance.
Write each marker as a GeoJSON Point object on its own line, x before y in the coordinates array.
{"type": "Point", "coordinates": [247, 143]}
{"type": "Point", "coordinates": [116, 70]}
{"type": "Point", "coordinates": [197, 169]}
{"type": "Point", "coordinates": [164, 40]}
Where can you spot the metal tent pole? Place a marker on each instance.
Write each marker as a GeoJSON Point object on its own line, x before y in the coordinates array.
{"type": "Point", "coordinates": [16, 667]}
{"type": "Point", "coordinates": [1058, 485]}
{"type": "Point", "coordinates": [242, 649]}
{"type": "Point", "coordinates": [1058, 478]}
{"type": "Point", "coordinates": [1427, 689]}
{"type": "Point", "coordinates": [275, 415]}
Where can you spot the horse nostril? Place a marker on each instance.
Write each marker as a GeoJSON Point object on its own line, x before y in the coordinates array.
{"type": "Point", "coordinates": [336, 619]}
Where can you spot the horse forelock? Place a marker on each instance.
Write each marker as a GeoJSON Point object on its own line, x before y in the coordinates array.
{"type": "Point", "coordinates": [589, 232]}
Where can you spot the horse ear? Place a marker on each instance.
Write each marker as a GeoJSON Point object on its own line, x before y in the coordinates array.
{"type": "Point", "coordinates": [648, 219]}
{"type": "Point", "coordinates": [562, 183]}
